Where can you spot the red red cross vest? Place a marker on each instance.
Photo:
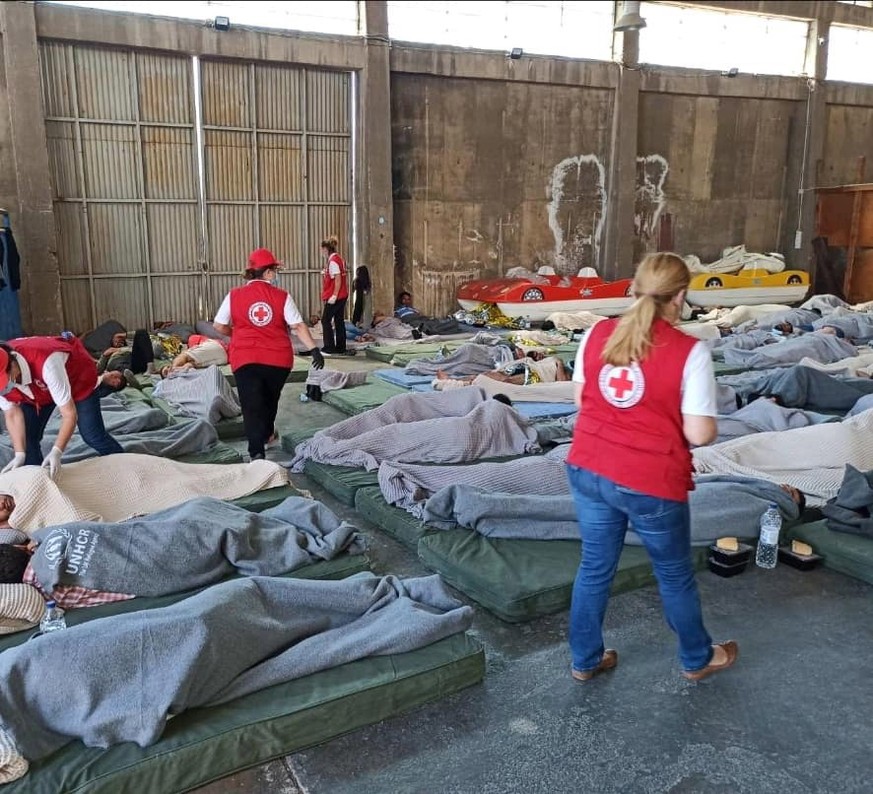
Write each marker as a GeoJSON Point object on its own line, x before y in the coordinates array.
{"type": "Point", "coordinates": [260, 334]}
{"type": "Point", "coordinates": [630, 427]}
{"type": "Point", "coordinates": [327, 280]}
{"type": "Point", "coordinates": [81, 368]}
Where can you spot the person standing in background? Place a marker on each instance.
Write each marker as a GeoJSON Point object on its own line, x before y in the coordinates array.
{"type": "Point", "coordinates": [258, 317]}
{"type": "Point", "coordinates": [645, 391]}
{"type": "Point", "coordinates": [335, 294]}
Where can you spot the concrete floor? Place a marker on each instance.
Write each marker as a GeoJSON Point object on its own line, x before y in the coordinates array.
{"type": "Point", "coordinates": [793, 715]}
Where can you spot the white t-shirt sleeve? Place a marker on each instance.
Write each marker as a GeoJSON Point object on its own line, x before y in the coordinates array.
{"type": "Point", "coordinates": [292, 313]}
{"type": "Point", "coordinates": [223, 314]}
{"type": "Point", "coordinates": [54, 375]}
{"type": "Point", "coordinates": [578, 365]}
{"type": "Point", "coordinates": [333, 269]}
{"type": "Point", "coordinates": [698, 383]}
{"type": "Point", "coordinates": [5, 405]}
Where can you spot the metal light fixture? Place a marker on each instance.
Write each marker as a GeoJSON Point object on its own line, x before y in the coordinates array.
{"type": "Point", "coordinates": [515, 53]}
{"type": "Point", "coordinates": [630, 18]}
{"type": "Point", "coordinates": [221, 23]}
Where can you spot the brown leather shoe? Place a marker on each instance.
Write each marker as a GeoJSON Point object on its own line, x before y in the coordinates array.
{"type": "Point", "coordinates": [731, 649]}
{"type": "Point", "coordinates": [607, 662]}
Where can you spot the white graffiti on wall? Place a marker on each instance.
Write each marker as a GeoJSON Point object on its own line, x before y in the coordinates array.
{"type": "Point", "coordinates": [649, 197]}
{"type": "Point", "coordinates": [576, 211]}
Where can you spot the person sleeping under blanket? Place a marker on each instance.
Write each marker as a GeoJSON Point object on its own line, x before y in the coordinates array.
{"type": "Point", "coordinates": [202, 352]}
{"type": "Point", "coordinates": [200, 393]}
{"type": "Point", "coordinates": [535, 367]}
{"type": "Point", "coordinates": [229, 640]}
{"type": "Point", "coordinates": [719, 506]}
{"type": "Point", "coordinates": [189, 546]}
{"type": "Point", "coordinates": [125, 485]}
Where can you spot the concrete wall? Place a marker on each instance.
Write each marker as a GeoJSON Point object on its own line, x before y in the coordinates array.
{"type": "Point", "coordinates": [492, 174]}
{"type": "Point", "coordinates": [848, 135]}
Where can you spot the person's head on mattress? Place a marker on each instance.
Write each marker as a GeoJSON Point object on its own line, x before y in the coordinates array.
{"type": "Point", "coordinates": [13, 561]}
{"type": "Point", "coordinates": [7, 505]}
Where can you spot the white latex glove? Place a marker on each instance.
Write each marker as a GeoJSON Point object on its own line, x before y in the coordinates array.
{"type": "Point", "coordinates": [331, 300]}
{"type": "Point", "coordinates": [17, 460]}
{"type": "Point", "coordinates": [52, 462]}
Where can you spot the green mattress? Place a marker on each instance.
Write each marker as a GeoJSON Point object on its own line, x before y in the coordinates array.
{"type": "Point", "coordinates": [848, 554]}
{"type": "Point", "coordinates": [340, 481]}
{"type": "Point", "coordinates": [520, 580]}
{"type": "Point", "coordinates": [203, 745]}
{"type": "Point", "coordinates": [727, 369]}
{"type": "Point", "coordinates": [398, 523]}
{"type": "Point", "coordinates": [362, 398]}
{"type": "Point", "coordinates": [387, 353]}
{"type": "Point", "coordinates": [217, 453]}
{"type": "Point", "coordinates": [297, 374]}
{"type": "Point", "coordinates": [262, 500]}
{"type": "Point", "coordinates": [308, 421]}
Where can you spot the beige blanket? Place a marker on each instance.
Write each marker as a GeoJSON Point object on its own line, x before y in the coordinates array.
{"type": "Point", "coordinates": [812, 459]}
{"type": "Point", "coordinates": [557, 392]}
{"type": "Point", "coordinates": [117, 487]}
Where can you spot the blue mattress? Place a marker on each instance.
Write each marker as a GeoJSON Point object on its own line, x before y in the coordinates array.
{"type": "Point", "coordinates": [398, 377]}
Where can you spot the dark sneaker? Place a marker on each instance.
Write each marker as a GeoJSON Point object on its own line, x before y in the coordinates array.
{"type": "Point", "coordinates": [347, 352]}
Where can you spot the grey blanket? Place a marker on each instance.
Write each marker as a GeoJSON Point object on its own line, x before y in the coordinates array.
{"type": "Point", "coordinates": [137, 426]}
{"type": "Point", "coordinates": [468, 359]}
{"type": "Point", "coordinates": [796, 317]}
{"type": "Point", "coordinates": [855, 325]}
{"type": "Point", "coordinates": [804, 387]}
{"type": "Point", "coordinates": [118, 679]}
{"type": "Point", "coordinates": [763, 415]}
{"type": "Point", "coordinates": [490, 430]}
{"type": "Point", "coordinates": [408, 486]}
{"type": "Point", "coordinates": [332, 379]}
{"type": "Point", "coordinates": [189, 546]}
{"type": "Point", "coordinates": [850, 510]}
{"type": "Point", "coordinates": [750, 340]}
{"type": "Point", "coordinates": [200, 393]}
{"type": "Point", "coordinates": [719, 506]}
{"type": "Point", "coordinates": [824, 348]}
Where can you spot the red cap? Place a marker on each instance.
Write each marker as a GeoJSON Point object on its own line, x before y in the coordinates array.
{"type": "Point", "coordinates": [262, 258]}
{"type": "Point", "coordinates": [4, 365]}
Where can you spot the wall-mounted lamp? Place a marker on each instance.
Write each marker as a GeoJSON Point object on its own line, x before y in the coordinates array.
{"type": "Point", "coordinates": [515, 53]}
{"type": "Point", "coordinates": [630, 18]}
{"type": "Point", "coordinates": [221, 23]}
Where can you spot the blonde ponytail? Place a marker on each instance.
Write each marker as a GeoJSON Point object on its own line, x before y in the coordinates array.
{"type": "Point", "coordinates": [659, 278]}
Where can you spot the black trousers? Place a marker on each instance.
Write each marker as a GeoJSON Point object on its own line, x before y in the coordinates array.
{"type": "Point", "coordinates": [333, 325]}
{"type": "Point", "coordinates": [259, 387]}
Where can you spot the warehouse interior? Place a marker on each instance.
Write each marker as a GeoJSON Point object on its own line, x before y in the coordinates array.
{"type": "Point", "coordinates": [149, 148]}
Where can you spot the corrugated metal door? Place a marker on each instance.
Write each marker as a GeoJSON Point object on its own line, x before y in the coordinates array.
{"type": "Point", "coordinates": [122, 146]}
{"type": "Point", "coordinates": [141, 237]}
{"type": "Point", "coordinates": [277, 153]}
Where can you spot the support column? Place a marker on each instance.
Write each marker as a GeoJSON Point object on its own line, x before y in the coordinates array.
{"type": "Point", "coordinates": [617, 257]}
{"type": "Point", "coordinates": [374, 189]}
{"type": "Point", "coordinates": [33, 223]}
{"type": "Point", "coordinates": [815, 134]}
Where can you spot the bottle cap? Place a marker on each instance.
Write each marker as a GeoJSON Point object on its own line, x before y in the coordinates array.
{"type": "Point", "coordinates": [49, 604]}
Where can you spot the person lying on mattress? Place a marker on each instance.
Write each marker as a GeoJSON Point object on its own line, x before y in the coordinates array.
{"type": "Point", "coordinates": [85, 563]}
{"type": "Point", "coordinates": [202, 352]}
{"type": "Point", "coordinates": [126, 485]}
{"type": "Point", "coordinates": [535, 367]}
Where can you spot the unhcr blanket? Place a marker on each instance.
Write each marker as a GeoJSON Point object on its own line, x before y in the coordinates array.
{"type": "Point", "coordinates": [121, 678]}
{"type": "Point", "coordinates": [812, 459]}
{"type": "Point", "coordinates": [189, 546]}
{"type": "Point", "coordinates": [117, 487]}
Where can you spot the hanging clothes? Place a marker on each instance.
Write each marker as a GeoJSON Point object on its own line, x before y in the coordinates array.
{"type": "Point", "coordinates": [10, 283]}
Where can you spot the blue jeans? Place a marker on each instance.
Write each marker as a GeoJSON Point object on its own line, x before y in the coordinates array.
{"type": "Point", "coordinates": [90, 423]}
{"type": "Point", "coordinates": [664, 526]}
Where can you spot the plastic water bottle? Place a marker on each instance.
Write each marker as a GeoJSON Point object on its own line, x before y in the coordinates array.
{"type": "Point", "coordinates": [768, 542]}
{"type": "Point", "coordinates": [53, 619]}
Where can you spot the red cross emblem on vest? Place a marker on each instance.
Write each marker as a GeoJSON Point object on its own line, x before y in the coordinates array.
{"type": "Point", "coordinates": [622, 387]}
{"type": "Point", "coordinates": [260, 314]}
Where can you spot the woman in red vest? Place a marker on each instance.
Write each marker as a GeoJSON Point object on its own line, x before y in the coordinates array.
{"type": "Point", "coordinates": [334, 293]}
{"type": "Point", "coordinates": [258, 317]}
{"type": "Point", "coordinates": [38, 373]}
{"type": "Point", "coordinates": [645, 391]}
